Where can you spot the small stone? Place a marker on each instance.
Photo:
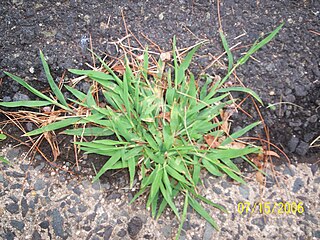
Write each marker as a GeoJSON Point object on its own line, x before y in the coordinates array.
{"type": "Point", "coordinates": [36, 235]}
{"type": "Point", "coordinates": [260, 222]}
{"type": "Point", "coordinates": [297, 185]}
{"type": "Point", "coordinates": [251, 238]}
{"type": "Point", "coordinates": [72, 210]}
{"type": "Point", "coordinates": [208, 232]}
{"type": "Point", "coordinates": [87, 228]}
{"type": "Point", "coordinates": [15, 174]}
{"type": "Point", "coordinates": [9, 235]}
{"type": "Point", "coordinates": [301, 91]}
{"type": "Point", "coordinates": [24, 207]}
{"type": "Point", "coordinates": [44, 224]}
{"type": "Point", "coordinates": [31, 70]}
{"type": "Point", "coordinates": [122, 233]}
{"type": "Point", "coordinates": [57, 223]}
{"type": "Point", "coordinates": [77, 190]}
{"type": "Point", "coordinates": [316, 234]}
{"type": "Point", "coordinates": [17, 224]}
{"type": "Point", "coordinates": [302, 148]}
{"type": "Point", "coordinates": [107, 232]}
{"type": "Point", "coordinates": [225, 184]}
{"type": "Point", "coordinates": [16, 186]}
{"type": "Point", "coordinates": [161, 16]}
{"type": "Point", "coordinates": [20, 97]}
{"type": "Point", "coordinates": [134, 226]}
{"type": "Point", "coordinates": [39, 185]}
{"type": "Point", "coordinates": [217, 190]}
{"type": "Point", "coordinates": [292, 144]}
{"type": "Point", "coordinates": [82, 208]}
{"type": "Point", "coordinates": [244, 191]}
{"type": "Point", "coordinates": [13, 208]}
{"type": "Point", "coordinates": [6, 99]}
{"type": "Point", "coordinates": [314, 168]}
{"type": "Point", "coordinates": [288, 171]}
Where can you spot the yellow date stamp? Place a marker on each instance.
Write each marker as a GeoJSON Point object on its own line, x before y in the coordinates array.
{"type": "Point", "coordinates": [278, 208]}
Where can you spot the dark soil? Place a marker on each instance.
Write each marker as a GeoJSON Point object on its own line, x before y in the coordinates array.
{"type": "Point", "coordinates": [287, 69]}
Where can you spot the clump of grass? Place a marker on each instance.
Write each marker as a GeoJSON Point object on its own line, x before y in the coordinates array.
{"type": "Point", "coordinates": [167, 129]}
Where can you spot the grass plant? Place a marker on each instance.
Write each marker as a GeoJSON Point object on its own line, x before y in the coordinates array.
{"type": "Point", "coordinates": [166, 129]}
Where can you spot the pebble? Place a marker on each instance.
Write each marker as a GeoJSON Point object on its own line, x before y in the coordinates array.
{"type": "Point", "coordinates": [122, 233]}
{"type": "Point", "coordinates": [17, 224]}
{"type": "Point", "coordinates": [260, 222]}
{"type": "Point", "coordinates": [57, 223]}
{"type": "Point", "coordinates": [20, 97]}
{"type": "Point", "coordinates": [39, 184]}
{"type": "Point", "coordinates": [44, 224]}
{"type": "Point", "coordinates": [107, 232]}
{"type": "Point", "coordinates": [134, 226]}
{"type": "Point", "coordinates": [36, 235]}
{"type": "Point", "coordinates": [13, 208]}
{"type": "Point", "coordinates": [297, 185]}
{"type": "Point", "coordinates": [24, 207]}
{"type": "Point", "coordinates": [244, 191]}
{"type": "Point", "coordinates": [302, 148]}
{"type": "Point", "coordinates": [293, 143]}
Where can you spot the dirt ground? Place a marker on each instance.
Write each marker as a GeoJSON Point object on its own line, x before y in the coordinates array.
{"type": "Point", "coordinates": [286, 72]}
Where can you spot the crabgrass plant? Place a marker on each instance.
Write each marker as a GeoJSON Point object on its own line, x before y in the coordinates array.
{"type": "Point", "coordinates": [161, 125]}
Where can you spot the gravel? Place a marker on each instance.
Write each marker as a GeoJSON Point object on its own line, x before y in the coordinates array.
{"type": "Point", "coordinates": [58, 213]}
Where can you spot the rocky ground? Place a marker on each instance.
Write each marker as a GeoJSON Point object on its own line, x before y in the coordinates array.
{"type": "Point", "coordinates": [38, 202]}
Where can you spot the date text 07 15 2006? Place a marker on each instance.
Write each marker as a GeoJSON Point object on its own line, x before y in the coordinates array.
{"type": "Point", "coordinates": [270, 208]}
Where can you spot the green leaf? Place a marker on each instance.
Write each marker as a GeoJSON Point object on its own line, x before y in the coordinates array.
{"type": "Point", "coordinates": [107, 166]}
{"type": "Point", "coordinates": [199, 209]}
{"type": "Point", "coordinates": [166, 182]}
{"type": "Point", "coordinates": [4, 160]}
{"type": "Point", "coordinates": [89, 131]}
{"type": "Point", "coordinates": [132, 169]}
{"type": "Point", "coordinates": [95, 75]}
{"type": "Point", "coordinates": [227, 49]}
{"type": "Point", "coordinates": [174, 118]}
{"type": "Point", "coordinates": [155, 185]}
{"type": "Point", "coordinates": [28, 87]}
{"type": "Point", "coordinates": [260, 44]}
{"type": "Point", "coordinates": [173, 173]}
{"type": "Point", "coordinates": [52, 84]}
{"type": "Point", "coordinates": [241, 89]}
{"type": "Point", "coordinates": [169, 200]}
{"type": "Point", "coordinates": [2, 136]}
{"type": "Point", "coordinates": [79, 95]}
{"type": "Point", "coordinates": [184, 214]}
{"type": "Point", "coordinates": [211, 168]}
{"type": "Point", "coordinates": [53, 126]}
{"type": "Point", "coordinates": [25, 104]}
{"type": "Point", "coordinates": [239, 133]}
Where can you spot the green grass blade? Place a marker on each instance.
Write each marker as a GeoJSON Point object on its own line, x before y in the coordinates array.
{"type": "Point", "coordinates": [28, 87]}
{"type": "Point", "coordinates": [2, 136]}
{"type": "Point", "coordinates": [199, 209]}
{"type": "Point", "coordinates": [25, 104]}
{"type": "Point", "coordinates": [79, 95]}
{"type": "Point", "coordinates": [155, 186]}
{"type": "Point", "coordinates": [260, 44]}
{"type": "Point", "coordinates": [184, 214]}
{"type": "Point", "coordinates": [52, 84]}
{"type": "Point", "coordinates": [89, 132]}
{"type": "Point", "coordinates": [241, 89]}
{"type": "Point", "coordinates": [169, 200]}
{"type": "Point", "coordinates": [227, 49]}
{"type": "Point", "coordinates": [132, 169]}
{"type": "Point", "coordinates": [4, 160]}
{"type": "Point", "coordinates": [107, 166]}
{"type": "Point", "coordinates": [166, 182]}
{"type": "Point", "coordinates": [53, 126]}
{"type": "Point", "coordinates": [239, 133]}
{"type": "Point", "coordinates": [211, 168]}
